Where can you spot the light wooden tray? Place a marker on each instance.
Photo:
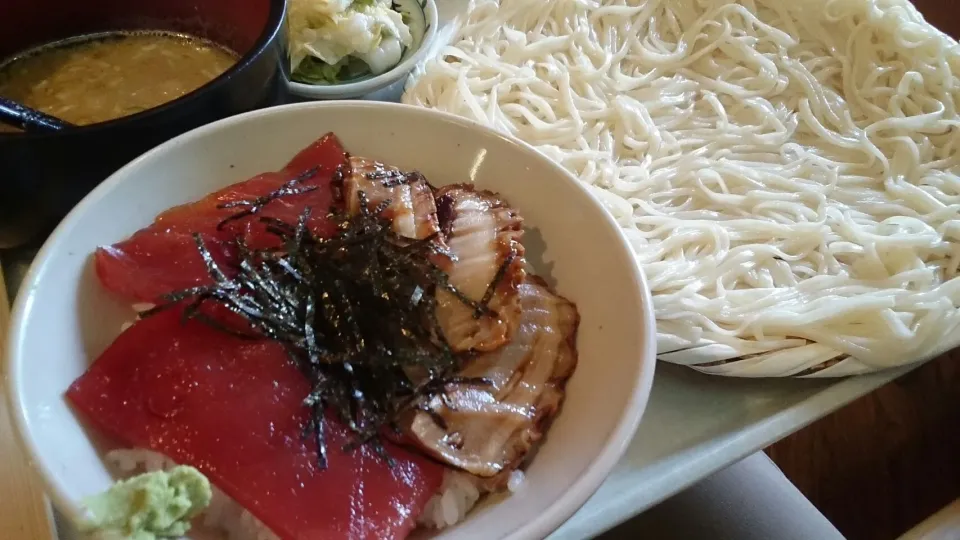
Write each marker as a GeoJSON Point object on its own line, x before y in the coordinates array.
{"type": "Point", "coordinates": [25, 513]}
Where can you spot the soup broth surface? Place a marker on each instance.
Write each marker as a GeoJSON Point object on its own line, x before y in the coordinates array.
{"type": "Point", "coordinates": [108, 76]}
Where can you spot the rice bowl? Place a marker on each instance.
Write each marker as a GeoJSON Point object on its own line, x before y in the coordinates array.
{"type": "Point", "coordinates": [586, 438]}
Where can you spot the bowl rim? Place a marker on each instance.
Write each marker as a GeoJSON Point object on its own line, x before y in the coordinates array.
{"type": "Point", "coordinates": [542, 525]}
{"type": "Point", "coordinates": [271, 32]}
{"type": "Point", "coordinates": [368, 86]}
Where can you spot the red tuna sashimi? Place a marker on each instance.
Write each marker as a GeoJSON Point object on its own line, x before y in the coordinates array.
{"type": "Point", "coordinates": [163, 257]}
{"type": "Point", "coordinates": [233, 409]}
{"type": "Point", "coordinates": [151, 264]}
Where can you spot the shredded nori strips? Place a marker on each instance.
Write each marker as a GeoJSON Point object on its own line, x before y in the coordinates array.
{"type": "Point", "coordinates": [357, 312]}
{"type": "Point", "coordinates": [254, 206]}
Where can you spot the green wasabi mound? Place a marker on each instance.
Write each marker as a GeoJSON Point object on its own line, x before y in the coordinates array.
{"type": "Point", "coordinates": [149, 506]}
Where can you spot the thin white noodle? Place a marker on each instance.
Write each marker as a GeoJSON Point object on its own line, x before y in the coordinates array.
{"type": "Point", "coordinates": [783, 170]}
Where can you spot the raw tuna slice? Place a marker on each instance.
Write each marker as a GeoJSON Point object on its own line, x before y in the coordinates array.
{"type": "Point", "coordinates": [152, 264]}
{"type": "Point", "coordinates": [232, 408]}
{"type": "Point", "coordinates": [163, 257]}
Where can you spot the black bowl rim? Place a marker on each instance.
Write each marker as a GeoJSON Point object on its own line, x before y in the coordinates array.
{"type": "Point", "coordinates": [276, 19]}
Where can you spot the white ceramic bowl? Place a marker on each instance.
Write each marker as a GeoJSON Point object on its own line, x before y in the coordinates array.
{"type": "Point", "coordinates": [63, 319]}
{"type": "Point", "coordinates": [424, 33]}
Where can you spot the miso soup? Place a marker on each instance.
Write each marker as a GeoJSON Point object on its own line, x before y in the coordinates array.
{"type": "Point", "coordinates": [107, 76]}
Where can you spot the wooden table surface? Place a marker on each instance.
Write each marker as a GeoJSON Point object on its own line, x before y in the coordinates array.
{"type": "Point", "coordinates": [24, 511]}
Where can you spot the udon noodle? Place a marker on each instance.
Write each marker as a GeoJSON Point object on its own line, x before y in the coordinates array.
{"type": "Point", "coordinates": [787, 172]}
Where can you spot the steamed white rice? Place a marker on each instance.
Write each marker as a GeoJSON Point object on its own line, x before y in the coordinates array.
{"type": "Point", "coordinates": [223, 514]}
{"type": "Point", "coordinates": [457, 496]}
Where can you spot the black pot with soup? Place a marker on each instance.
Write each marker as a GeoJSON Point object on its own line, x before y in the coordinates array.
{"type": "Point", "coordinates": [129, 75]}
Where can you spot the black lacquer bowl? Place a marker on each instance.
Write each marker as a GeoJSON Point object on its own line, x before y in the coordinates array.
{"type": "Point", "coordinates": [42, 176]}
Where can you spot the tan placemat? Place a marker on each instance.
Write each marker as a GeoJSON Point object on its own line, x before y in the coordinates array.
{"type": "Point", "coordinates": [944, 525]}
{"type": "Point", "coordinates": [24, 511]}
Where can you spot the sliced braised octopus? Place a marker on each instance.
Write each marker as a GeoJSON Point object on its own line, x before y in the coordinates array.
{"type": "Point", "coordinates": [488, 423]}
{"type": "Point", "coordinates": [483, 235]}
